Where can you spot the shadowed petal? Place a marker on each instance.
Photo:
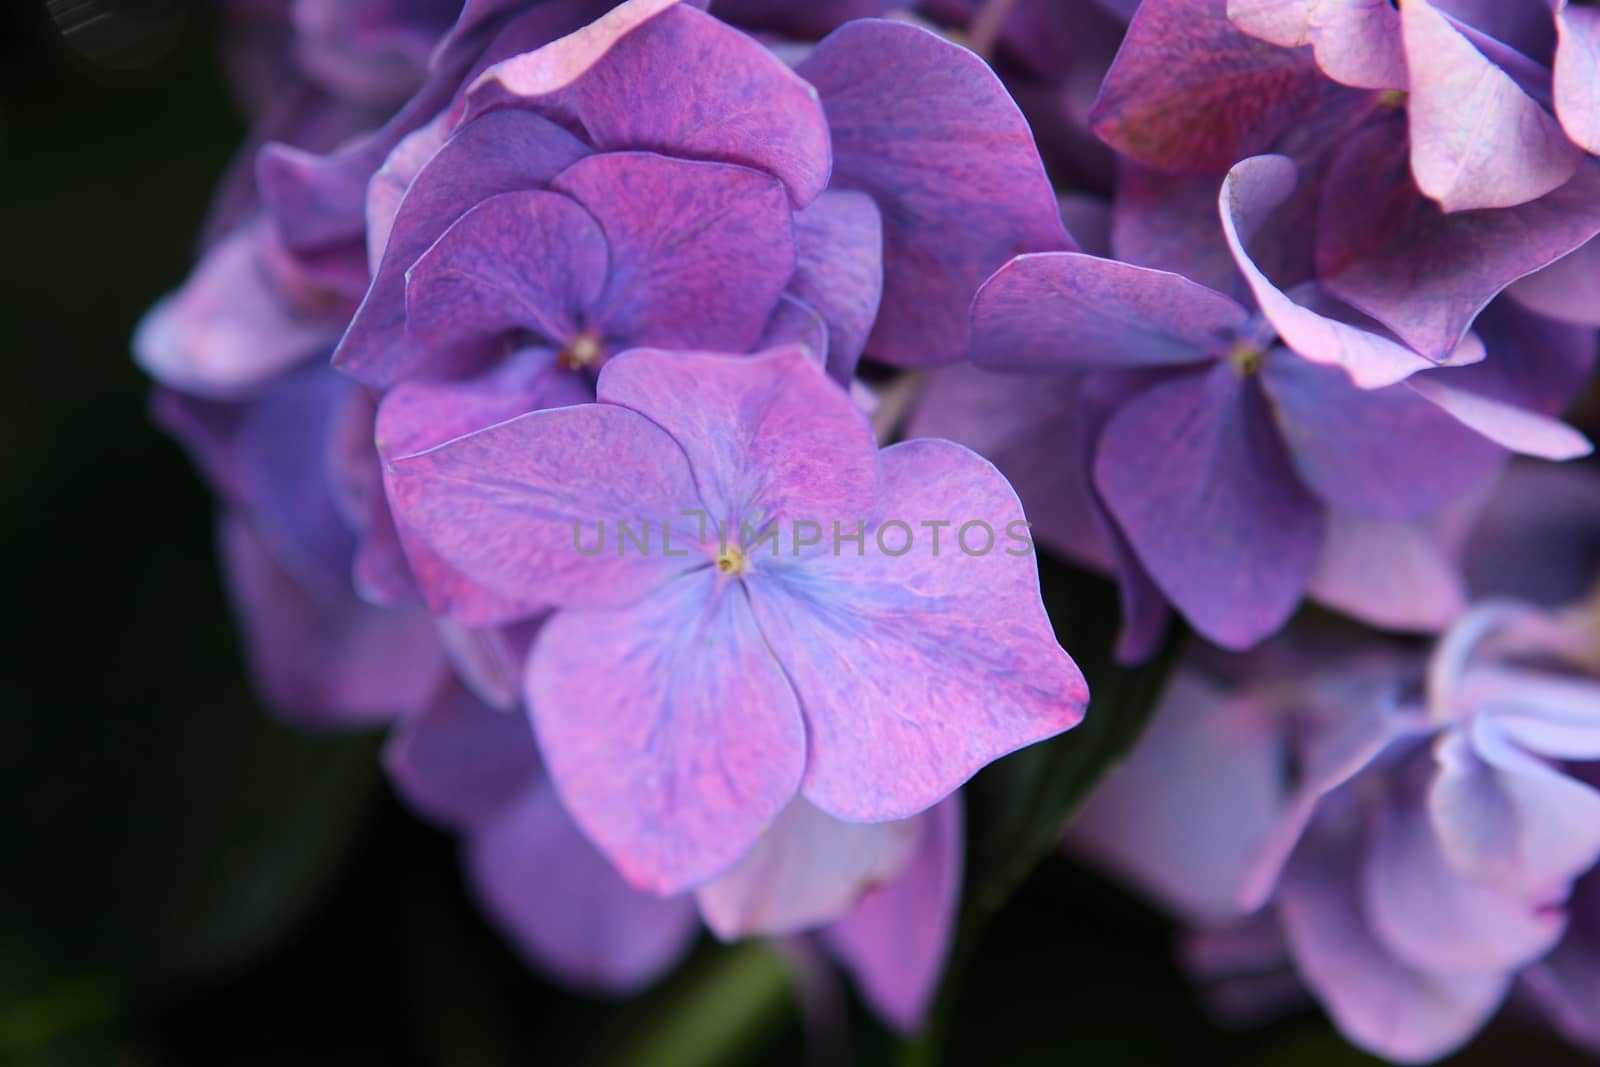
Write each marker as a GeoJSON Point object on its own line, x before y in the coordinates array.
{"type": "Point", "coordinates": [895, 939]}
{"type": "Point", "coordinates": [1385, 453]}
{"type": "Point", "coordinates": [499, 153]}
{"type": "Point", "coordinates": [1251, 192]}
{"type": "Point", "coordinates": [840, 272]}
{"type": "Point", "coordinates": [1399, 574]}
{"type": "Point", "coordinates": [1426, 274]}
{"type": "Point", "coordinates": [1198, 481]}
{"type": "Point", "coordinates": [1568, 289]}
{"type": "Point", "coordinates": [1419, 906]}
{"type": "Point", "coordinates": [807, 869]}
{"type": "Point", "coordinates": [1378, 1002]}
{"type": "Point", "coordinates": [528, 260]}
{"type": "Point", "coordinates": [915, 670]}
{"type": "Point", "coordinates": [1068, 311]}
{"type": "Point", "coordinates": [668, 728]}
{"type": "Point", "coordinates": [564, 907]}
{"type": "Point", "coordinates": [460, 761]}
{"type": "Point", "coordinates": [699, 251]}
{"type": "Point", "coordinates": [925, 128]}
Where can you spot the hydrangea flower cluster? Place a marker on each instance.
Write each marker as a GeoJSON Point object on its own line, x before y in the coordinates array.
{"type": "Point", "coordinates": [647, 412]}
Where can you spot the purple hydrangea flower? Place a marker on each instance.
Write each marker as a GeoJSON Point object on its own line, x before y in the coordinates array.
{"type": "Point", "coordinates": [1421, 851]}
{"type": "Point", "coordinates": [872, 683]}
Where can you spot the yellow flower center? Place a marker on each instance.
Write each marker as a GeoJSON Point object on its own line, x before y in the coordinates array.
{"type": "Point", "coordinates": [1246, 357]}
{"type": "Point", "coordinates": [582, 351]}
{"type": "Point", "coordinates": [731, 561]}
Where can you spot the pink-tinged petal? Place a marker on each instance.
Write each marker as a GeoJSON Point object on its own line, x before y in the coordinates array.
{"type": "Point", "coordinates": [1061, 311]}
{"type": "Point", "coordinates": [564, 907]}
{"type": "Point", "coordinates": [1200, 484]}
{"type": "Point", "coordinates": [1505, 424]}
{"type": "Point", "coordinates": [1567, 290]}
{"type": "Point", "coordinates": [808, 868]}
{"type": "Point", "coordinates": [1356, 42]}
{"type": "Point", "coordinates": [663, 76]}
{"type": "Point", "coordinates": [1577, 75]}
{"type": "Point", "coordinates": [895, 940]}
{"type": "Point", "coordinates": [699, 251]}
{"type": "Point", "coordinates": [1346, 442]}
{"type": "Point", "coordinates": [1510, 821]}
{"type": "Point", "coordinates": [1171, 820]}
{"type": "Point", "coordinates": [1398, 574]}
{"type": "Point", "coordinates": [460, 762]}
{"type": "Point", "coordinates": [524, 507]}
{"type": "Point", "coordinates": [840, 272]}
{"type": "Point", "coordinates": [321, 656]}
{"type": "Point", "coordinates": [232, 325]}
{"type": "Point", "coordinates": [769, 437]}
{"type": "Point", "coordinates": [1477, 139]}
{"type": "Point", "coordinates": [499, 153]}
{"type": "Point", "coordinates": [915, 670]}
{"type": "Point", "coordinates": [671, 732]}
{"type": "Point", "coordinates": [1190, 92]}
{"type": "Point", "coordinates": [388, 184]}
{"type": "Point", "coordinates": [1250, 193]}
{"type": "Point", "coordinates": [1535, 363]}
{"type": "Point", "coordinates": [1378, 1002]}
{"type": "Point", "coordinates": [1420, 907]}
{"type": "Point", "coordinates": [417, 416]}
{"type": "Point", "coordinates": [1425, 274]}
{"type": "Point", "coordinates": [943, 151]}
{"type": "Point", "coordinates": [529, 260]}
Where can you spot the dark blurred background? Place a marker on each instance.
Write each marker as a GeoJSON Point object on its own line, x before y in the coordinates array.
{"type": "Point", "coordinates": [183, 881]}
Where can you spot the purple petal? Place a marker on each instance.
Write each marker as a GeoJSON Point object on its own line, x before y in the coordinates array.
{"type": "Point", "coordinates": [323, 657]}
{"type": "Point", "coordinates": [1510, 821]}
{"type": "Point", "coordinates": [1577, 75]}
{"type": "Point", "coordinates": [840, 272]}
{"type": "Point", "coordinates": [1356, 42]}
{"type": "Point", "coordinates": [1068, 311]}
{"type": "Point", "coordinates": [1567, 982]}
{"type": "Point", "coordinates": [232, 325]}
{"type": "Point", "coordinates": [460, 762]}
{"type": "Point", "coordinates": [1171, 820]}
{"type": "Point", "coordinates": [1425, 274]}
{"type": "Point", "coordinates": [699, 251]}
{"type": "Point", "coordinates": [1514, 428]}
{"type": "Point", "coordinates": [915, 670]}
{"type": "Point", "coordinates": [658, 75]}
{"type": "Point", "coordinates": [925, 128]}
{"type": "Point", "coordinates": [1568, 289]}
{"type": "Point", "coordinates": [1378, 1002]}
{"type": "Point", "coordinates": [808, 868]}
{"type": "Point", "coordinates": [563, 905]}
{"type": "Point", "coordinates": [1435, 918]}
{"type": "Point", "coordinates": [1477, 139]}
{"type": "Point", "coordinates": [669, 729]}
{"type": "Point", "coordinates": [1199, 482]}
{"type": "Point", "coordinates": [1398, 574]}
{"type": "Point", "coordinates": [528, 260]}
{"type": "Point", "coordinates": [894, 941]}
{"type": "Point", "coordinates": [499, 153]}
{"type": "Point", "coordinates": [769, 437]}
{"type": "Point", "coordinates": [1344, 441]}
{"type": "Point", "coordinates": [513, 507]}
{"type": "Point", "coordinates": [1189, 92]}
{"type": "Point", "coordinates": [1251, 192]}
